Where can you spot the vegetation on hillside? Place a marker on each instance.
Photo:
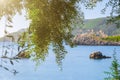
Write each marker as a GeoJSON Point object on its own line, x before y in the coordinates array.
{"type": "Point", "coordinates": [113, 38]}
{"type": "Point", "coordinates": [97, 25]}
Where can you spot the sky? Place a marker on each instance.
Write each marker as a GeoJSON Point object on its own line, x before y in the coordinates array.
{"type": "Point", "coordinates": [19, 21]}
{"type": "Point", "coordinates": [96, 11]}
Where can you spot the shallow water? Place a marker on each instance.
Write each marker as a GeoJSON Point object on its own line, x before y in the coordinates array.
{"type": "Point", "coordinates": [76, 66]}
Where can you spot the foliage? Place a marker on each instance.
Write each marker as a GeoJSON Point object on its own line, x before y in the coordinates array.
{"type": "Point", "coordinates": [115, 11]}
{"type": "Point", "coordinates": [114, 4]}
{"type": "Point", "coordinates": [8, 8]}
{"type": "Point", "coordinates": [51, 23]}
{"type": "Point", "coordinates": [90, 4]}
{"type": "Point", "coordinates": [115, 70]}
{"type": "Point", "coordinates": [112, 38]}
{"type": "Point", "coordinates": [7, 49]}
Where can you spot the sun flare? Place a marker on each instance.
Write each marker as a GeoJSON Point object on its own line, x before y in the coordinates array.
{"type": "Point", "coordinates": [2, 1]}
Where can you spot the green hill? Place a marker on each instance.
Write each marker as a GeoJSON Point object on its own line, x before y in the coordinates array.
{"type": "Point", "coordinates": [12, 36]}
{"type": "Point", "coordinates": [90, 24]}
{"type": "Point", "coordinates": [97, 25]}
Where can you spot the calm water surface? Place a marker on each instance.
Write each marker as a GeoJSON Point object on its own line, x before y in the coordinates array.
{"type": "Point", "coordinates": [76, 66]}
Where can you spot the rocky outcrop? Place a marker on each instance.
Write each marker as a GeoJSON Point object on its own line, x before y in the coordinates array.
{"type": "Point", "coordinates": [98, 55]}
{"type": "Point", "coordinates": [23, 54]}
{"type": "Point", "coordinates": [12, 37]}
{"type": "Point", "coordinates": [93, 38]}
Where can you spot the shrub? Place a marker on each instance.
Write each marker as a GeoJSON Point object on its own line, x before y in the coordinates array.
{"type": "Point", "coordinates": [112, 38]}
{"type": "Point", "coordinates": [114, 74]}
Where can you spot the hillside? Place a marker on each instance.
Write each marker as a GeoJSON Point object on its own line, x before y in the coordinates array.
{"type": "Point", "coordinates": [12, 36]}
{"type": "Point", "coordinates": [97, 32]}
{"type": "Point", "coordinates": [97, 25]}
{"type": "Point", "coordinates": [94, 25]}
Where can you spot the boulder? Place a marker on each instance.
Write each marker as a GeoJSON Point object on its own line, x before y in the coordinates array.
{"type": "Point", "coordinates": [23, 54]}
{"type": "Point", "coordinates": [98, 55]}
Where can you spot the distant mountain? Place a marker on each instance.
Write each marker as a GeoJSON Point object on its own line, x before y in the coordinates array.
{"type": "Point", "coordinates": [97, 25]}
{"type": "Point", "coordinates": [12, 36]}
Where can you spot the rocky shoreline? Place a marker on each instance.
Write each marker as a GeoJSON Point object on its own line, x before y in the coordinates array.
{"type": "Point", "coordinates": [93, 38]}
{"type": "Point", "coordinates": [96, 43]}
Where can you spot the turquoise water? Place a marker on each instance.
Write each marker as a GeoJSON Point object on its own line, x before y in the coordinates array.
{"type": "Point", "coordinates": [76, 66]}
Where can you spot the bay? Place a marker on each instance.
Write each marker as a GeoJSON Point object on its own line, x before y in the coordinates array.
{"type": "Point", "coordinates": [76, 66]}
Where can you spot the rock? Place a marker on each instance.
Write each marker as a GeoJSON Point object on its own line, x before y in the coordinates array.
{"type": "Point", "coordinates": [98, 55]}
{"type": "Point", "coordinates": [93, 38]}
{"type": "Point", "coordinates": [23, 54]}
